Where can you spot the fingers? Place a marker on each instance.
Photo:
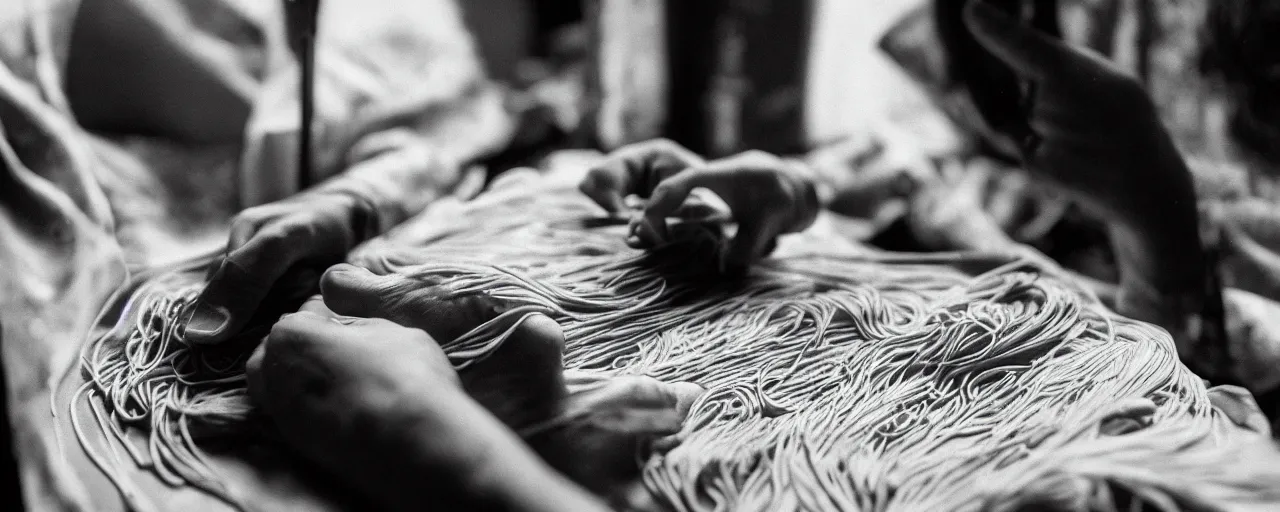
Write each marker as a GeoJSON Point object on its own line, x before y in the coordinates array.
{"type": "Point", "coordinates": [246, 276]}
{"type": "Point", "coordinates": [316, 305]}
{"type": "Point", "coordinates": [417, 302]}
{"type": "Point", "coordinates": [212, 318]}
{"type": "Point", "coordinates": [605, 186]}
{"type": "Point", "coordinates": [765, 199]}
{"type": "Point", "coordinates": [753, 241]}
{"type": "Point", "coordinates": [304, 327]}
{"type": "Point", "coordinates": [1030, 53]}
{"type": "Point", "coordinates": [522, 381]}
{"type": "Point", "coordinates": [253, 374]}
{"type": "Point", "coordinates": [672, 192]}
{"type": "Point", "coordinates": [353, 291]}
{"type": "Point", "coordinates": [635, 169]}
{"type": "Point", "coordinates": [245, 225]}
{"type": "Point", "coordinates": [284, 364]}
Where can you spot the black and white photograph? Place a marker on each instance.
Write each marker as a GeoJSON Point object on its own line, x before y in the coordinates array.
{"type": "Point", "coordinates": [640, 255]}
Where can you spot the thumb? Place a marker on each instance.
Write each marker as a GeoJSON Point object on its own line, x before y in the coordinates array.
{"type": "Point", "coordinates": [349, 290]}
{"type": "Point", "coordinates": [1030, 53]}
{"type": "Point", "coordinates": [753, 241]}
{"type": "Point", "coordinates": [225, 305]}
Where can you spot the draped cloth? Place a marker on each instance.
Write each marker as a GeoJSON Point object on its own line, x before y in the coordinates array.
{"type": "Point", "coordinates": [107, 170]}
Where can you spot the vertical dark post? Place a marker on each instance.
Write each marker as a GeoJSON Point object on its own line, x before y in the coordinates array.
{"type": "Point", "coordinates": [738, 73]}
{"type": "Point", "coordinates": [691, 58]}
{"type": "Point", "coordinates": [8, 458]}
{"type": "Point", "coordinates": [728, 75]}
{"type": "Point", "coordinates": [777, 35]}
{"type": "Point", "coordinates": [305, 95]}
{"type": "Point", "coordinates": [302, 18]}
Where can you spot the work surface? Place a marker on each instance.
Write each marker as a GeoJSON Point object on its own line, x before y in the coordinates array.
{"type": "Point", "coordinates": [1189, 429]}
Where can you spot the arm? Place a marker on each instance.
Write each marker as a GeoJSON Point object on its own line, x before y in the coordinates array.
{"type": "Point", "coordinates": [858, 177]}
{"type": "Point", "coordinates": [467, 449]}
{"type": "Point", "coordinates": [380, 407]}
{"type": "Point", "coordinates": [1097, 135]}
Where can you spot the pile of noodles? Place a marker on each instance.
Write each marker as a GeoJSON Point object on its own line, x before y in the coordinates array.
{"type": "Point", "coordinates": [840, 381]}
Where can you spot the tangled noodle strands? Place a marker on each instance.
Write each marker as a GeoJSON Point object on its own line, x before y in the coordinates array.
{"type": "Point", "coordinates": [877, 382]}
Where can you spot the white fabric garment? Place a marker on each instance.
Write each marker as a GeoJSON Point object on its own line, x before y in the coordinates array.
{"type": "Point", "coordinates": [854, 87]}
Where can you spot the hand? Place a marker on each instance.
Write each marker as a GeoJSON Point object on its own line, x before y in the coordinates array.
{"type": "Point", "coordinates": [378, 406]}
{"type": "Point", "coordinates": [635, 169]}
{"type": "Point", "coordinates": [266, 243]}
{"type": "Point", "coordinates": [587, 426]}
{"type": "Point", "coordinates": [350, 395]}
{"type": "Point", "coordinates": [521, 382]}
{"type": "Point", "coordinates": [1097, 135]}
{"type": "Point", "coordinates": [766, 195]}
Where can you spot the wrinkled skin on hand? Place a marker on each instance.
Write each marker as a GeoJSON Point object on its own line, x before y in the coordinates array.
{"type": "Point", "coordinates": [347, 394]}
{"type": "Point", "coordinates": [766, 195]}
{"type": "Point", "coordinates": [425, 303]}
{"type": "Point", "coordinates": [269, 243]}
{"type": "Point", "coordinates": [519, 383]}
{"type": "Point", "coordinates": [589, 427]}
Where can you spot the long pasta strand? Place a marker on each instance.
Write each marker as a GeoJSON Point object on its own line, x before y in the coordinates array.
{"type": "Point", "coordinates": [854, 382]}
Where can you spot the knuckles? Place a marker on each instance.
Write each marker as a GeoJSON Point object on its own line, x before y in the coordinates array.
{"type": "Point", "coordinates": [655, 147]}
{"type": "Point", "coordinates": [757, 158]}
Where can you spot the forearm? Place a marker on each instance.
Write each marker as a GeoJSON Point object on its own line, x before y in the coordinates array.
{"type": "Point", "coordinates": [491, 467]}
{"type": "Point", "coordinates": [842, 190]}
{"type": "Point", "coordinates": [1169, 277]}
{"type": "Point", "coordinates": [1157, 237]}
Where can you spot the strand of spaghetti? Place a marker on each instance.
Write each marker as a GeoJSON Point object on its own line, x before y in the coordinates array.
{"type": "Point", "coordinates": [871, 382]}
{"type": "Point", "coordinates": [133, 498]}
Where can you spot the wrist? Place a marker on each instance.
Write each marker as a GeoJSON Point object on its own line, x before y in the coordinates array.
{"type": "Point", "coordinates": [813, 193]}
{"type": "Point", "coordinates": [825, 186]}
{"type": "Point", "coordinates": [517, 479]}
{"type": "Point", "coordinates": [488, 466]}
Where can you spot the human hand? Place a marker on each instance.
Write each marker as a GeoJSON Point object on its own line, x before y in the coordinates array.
{"type": "Point", "coordinates": [379, 406]}
{"type": "Point", "coordinates": [766, 195]}
{"type": "Point", "coordinates": [1096, 133]}
{"type": "Point", "coordinates": [587, 426]}
{"type": "Point", "coordinates": [349, 395]}
{"type": "Point", "coordinates": [520, 382]}
{"type": "Point", "coordinates": [309, 231]}
{"type": "Point", "coordinates": [635, 169]}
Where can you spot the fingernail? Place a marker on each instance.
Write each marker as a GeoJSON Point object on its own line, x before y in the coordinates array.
{"type": "Point", "coordinates": [206, 319]}
{"type": "Point", "coordinates": [341, 276]}
{"type": "Point", "coordinates": [347, 268]}
{"type": "Point", "coordinates": [643, 231]}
